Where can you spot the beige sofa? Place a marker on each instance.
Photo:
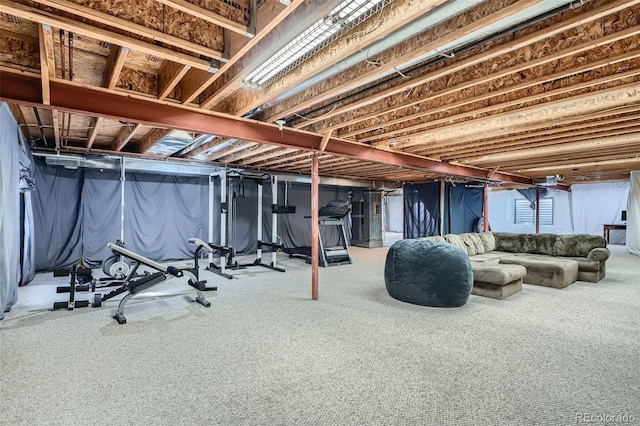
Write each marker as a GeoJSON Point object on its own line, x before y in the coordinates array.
{"type": "Point", "coordinates": [502, 261]}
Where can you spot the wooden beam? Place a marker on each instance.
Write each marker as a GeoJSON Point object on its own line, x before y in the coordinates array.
{"type": "Point", "coordinates": [446, 94]}
{"type": "Point", "coordinates": [518, 43]}
{"type": "Point", "coordinates": [393, 17]}
{"type": "Point", "coordinates": [40, 16]}
{"type": "Point", "coordinates": [115, 63]}
{"type": "Point", "coordinates": [484, 149]}
{"type": "Point", "coordinates": [583, 127]}
{"type": "Point", "coordinates": [229, 150]}
{"type": "Point", "coordinates": [151, 138]}
{"type": "Point", "coordinates": [47, 72]}
{"type": "Point", "coordinates": [298, 14]}
{"type": "Point", "coordinates": [390, 60]}
{"type": "Point", "coordinates": [325, 140]}
{"type": "Point", "coordinates": [169, 76]}
{"type": "Point", "coordinates": [207, 15]}
{"type": "Point", "coordinates": [419, 129]}
{"type": "Point", "coordinates": [129, 26]}
{"type": "Point", "coordinates": [278, 152]}
{"type": "Point", "coordinates": [94, 126]}
{"type": "Point", "coordinates": [124, 136]}
{"type": "Point", "coordinates": [26, 90]}
{"type": "Point", "coordinates": [110, 75]}
{"type": "Point", "coordinates": [47, 60]}
{"type": "Point", "coordinates": [205, 147]}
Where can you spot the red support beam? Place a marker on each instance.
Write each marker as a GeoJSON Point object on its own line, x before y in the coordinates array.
{"type": "Point", "coordinates": [24, 89]}
{"type": "Point", "coordinates": [485, 207]}
{"type": "Point", "coordinates": [537, 209]}
{"type": "Point", "coordinates": [315, 249]}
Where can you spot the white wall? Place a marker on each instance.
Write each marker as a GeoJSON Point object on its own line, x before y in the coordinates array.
{"type": "Point", "coordinates": [393, 211]}
{"type": "Point", "coordinates": [502, 213]}
{"type": "Point", "coordinates": [582, 211]}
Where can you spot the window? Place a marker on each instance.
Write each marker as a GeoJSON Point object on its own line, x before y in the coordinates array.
{"type": "Point", "coordinates": [526, 215]}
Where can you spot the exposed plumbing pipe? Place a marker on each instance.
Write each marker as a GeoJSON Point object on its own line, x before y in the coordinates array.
{"type": "Point", "coordinates": [453, 53]}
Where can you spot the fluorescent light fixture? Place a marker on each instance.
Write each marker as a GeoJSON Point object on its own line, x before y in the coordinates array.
{"type": "Point", "coordinates": [343, 18]}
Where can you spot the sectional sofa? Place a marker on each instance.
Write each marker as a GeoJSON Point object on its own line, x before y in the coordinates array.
{"type": "Point", "coordinates": [502, 261]}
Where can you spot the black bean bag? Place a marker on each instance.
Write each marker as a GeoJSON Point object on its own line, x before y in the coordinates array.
{"type": "Point", "coordinates": [428, 273]}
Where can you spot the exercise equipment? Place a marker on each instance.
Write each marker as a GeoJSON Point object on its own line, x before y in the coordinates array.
{"type": "Point", "coordinates": [132, 286]}
{"type": "Point", "coordinates": [331, 215]}
{"type": "Point", "coordinates": [116, 266]}
{"type": "Point", "coordinates": [201, 245]}
{"type": "Point", "coordinates": [274, 245]}
{"type": "Point", "coordinates": [81, 280]}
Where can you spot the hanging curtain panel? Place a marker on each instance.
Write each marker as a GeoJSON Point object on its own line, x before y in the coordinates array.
{"type": "Point", "coordinates": [633, 215]}
{"type": "Point", "coordinates": [10, 218]}
{"type": "Point", "coordinates": [161, 213]}
{"type": "Point", "coordinates": [421, 209]}
{"type": "Point", "coordinates": [58, 214]}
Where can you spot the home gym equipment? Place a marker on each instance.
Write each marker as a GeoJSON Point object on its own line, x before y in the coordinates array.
{"type": "Point", "coordinates": [133, 286]}
{"type": "Point", "coordinates": [116, 266]}
{"type": "Point", "coordinates": [274, 246]}
{"type": "Point", "coordinates": [331, 215]}
{"type": "Point", "coordinates": [226, 253]}
{"type": "Point", "coordinates": [81, 280]}
{"type": "Point", "coordinates": [201, 245]}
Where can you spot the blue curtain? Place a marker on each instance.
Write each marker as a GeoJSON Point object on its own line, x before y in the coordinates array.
{"type": "Point", "coordinates": [463, 208]}
{"type": "Point", "coordinates": [421, 209]}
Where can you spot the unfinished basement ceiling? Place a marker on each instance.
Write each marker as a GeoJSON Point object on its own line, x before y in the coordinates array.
{"type": "Point", "coordinates": [413, 90]}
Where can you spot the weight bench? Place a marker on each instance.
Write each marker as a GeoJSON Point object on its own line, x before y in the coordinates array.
{"type": "Point", "coordinates": [135, 286]}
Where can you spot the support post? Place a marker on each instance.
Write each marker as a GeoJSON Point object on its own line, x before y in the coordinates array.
{"type": "Point", "coordinates": [259, 253]}
{"type": "Point", "coordinates": [485, 207]}
{"type": "Point", "coordinates": [442, 188]}
{"type": "Point", "coordinates": [537, 210]}
{"type": "Point", "coordinates": [314, 227]}
{"type": "Point", "coordinates": [210, 234]}
{"type": "Point", "coordinates": [274, 218]}
{"type": "Point", "coordinates": [122, 179]}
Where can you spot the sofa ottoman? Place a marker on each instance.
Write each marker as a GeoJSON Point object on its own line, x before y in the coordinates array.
{"type": "Point", "coordinates": [428, 273]}
{"type": "Point", "coordinates": [546, 271]}
{"type": "Point", "coordinates": [497, 281]}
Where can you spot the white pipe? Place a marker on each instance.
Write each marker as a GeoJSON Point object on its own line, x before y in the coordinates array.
{"type": "Point", "coordinates": [223, 196]}
{"type": "Point", "coordinates": [259, 253]}
{"type": "Point", "coordinates": [122, 179]}
{"type": "Point", "coordinates": [274, 218]}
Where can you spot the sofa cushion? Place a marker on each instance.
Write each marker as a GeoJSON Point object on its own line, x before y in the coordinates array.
{"type": "Point", "coordinates": [488, 241]}
{"type": "Point", "coordinates": [585, 264]}
{"type": "Point", "coordinates": [599, 254]}
{"type": "Point", "coordinates": [478, 243]}
{"type": "Point", "coordinates": [433, 238]}
{"type": "Point", "coordinates": [578, 244]}
{"type": "Point", "coordinates": [547, 271]}
{"type": "Point", "coordinates": [471, 246]}
{"type": "Point", "coordinates": [526, 243]}
{"type": "Point", "coordinates": [496, 273]}
{"type": "Point", "coordinates": [490, 257]}
{"type": "Point", "coordinates": [457, 241]}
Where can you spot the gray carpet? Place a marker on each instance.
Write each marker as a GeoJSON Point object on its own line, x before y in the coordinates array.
{"type": "Point", "coordinates": [265, 354]}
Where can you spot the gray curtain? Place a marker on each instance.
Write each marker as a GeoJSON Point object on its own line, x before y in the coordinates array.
{"type": "Point", "coordinates": [77, 212]}
{"type": "Point", "coordinates": [10, 221]}
{"type": "Point", "coordinates": [295, 229]}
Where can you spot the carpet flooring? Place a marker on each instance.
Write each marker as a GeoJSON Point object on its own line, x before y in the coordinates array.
{"type": "Point", "coordinates": [264, 353]}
